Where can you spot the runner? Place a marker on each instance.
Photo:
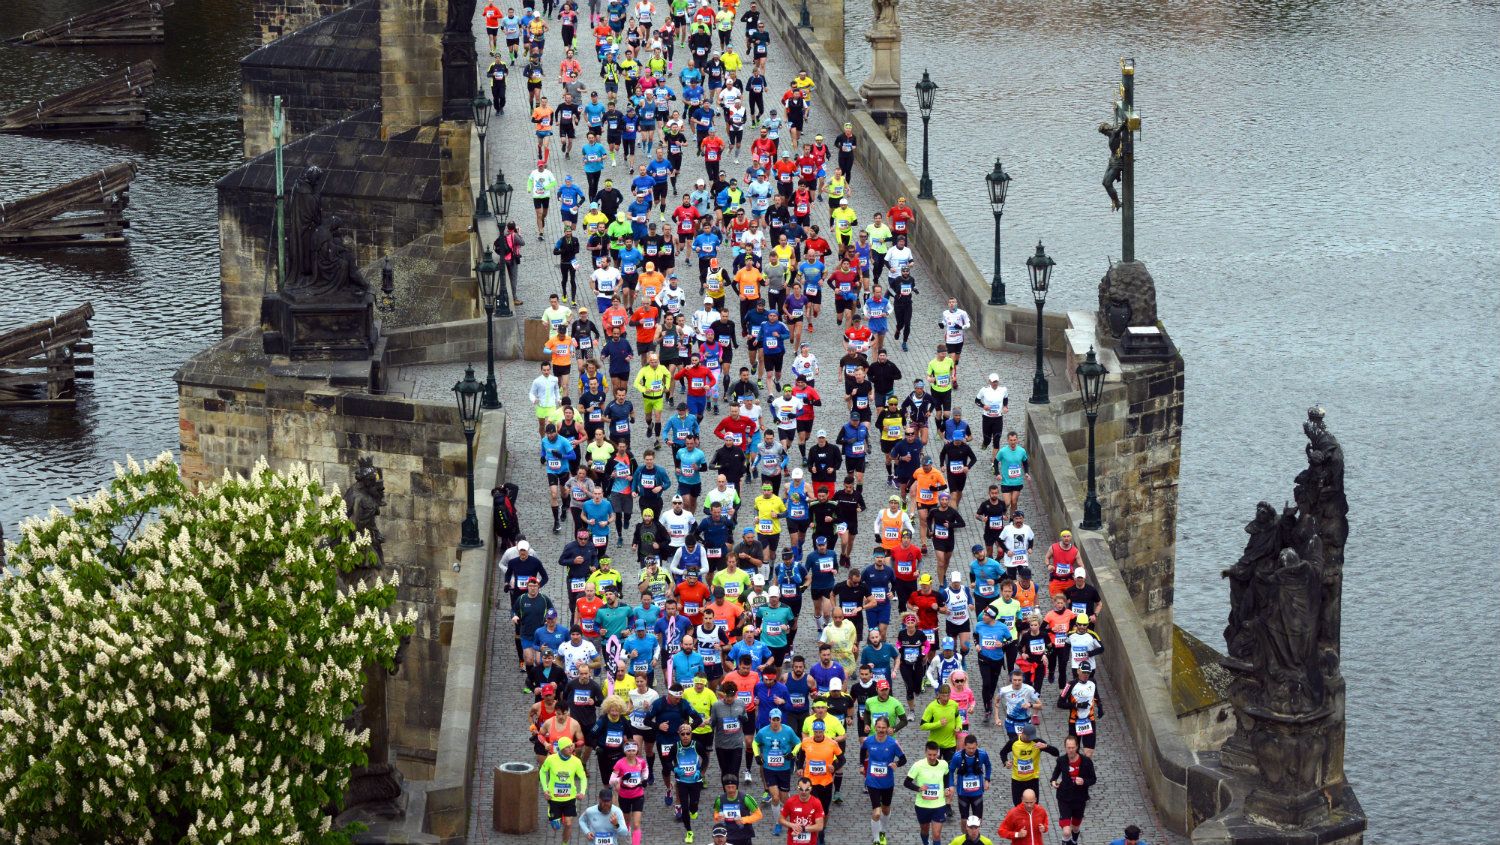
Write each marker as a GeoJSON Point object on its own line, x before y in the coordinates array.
{"type": "Point", "coordinates": [930, 779]}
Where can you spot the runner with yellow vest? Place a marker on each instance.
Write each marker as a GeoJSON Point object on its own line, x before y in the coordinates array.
{"type": "Point", "coordinates": [653, 382]}
{"type": "Point", "coordinates": [1025, 752]}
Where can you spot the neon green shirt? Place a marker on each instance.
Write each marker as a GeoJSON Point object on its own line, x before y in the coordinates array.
{"type": "Point", "coordinates": [940, 375]}
{"type": "Point", "coordinates": [931, 723]}
{"type": "Point", "coordinates": [563, 780]}
{"type": "Point", "coordinates": [929, 780]}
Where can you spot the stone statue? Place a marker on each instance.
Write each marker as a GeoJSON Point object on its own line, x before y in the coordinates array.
{"type": "Point", "coordinates": [885, 14]}
{"type": "Point", "coordinates": [362, 503]}
{"type": "Point", "coordinates": [1245, 603]}
{"type": "Point", "coordinates": [1127, 297]}
{"type": "Point", "coordinates": [1283, 647]}
{"type": "Point", "coordinates": [1292, 615]}
{"type": "Point", "coordinates": [460, 16]}
{"type": "Point", "coordinates": [335, 273]}
{"type": "Point", "coordinates": [375, 789]}
{"type": "Point", "coordinates": [304, 214]}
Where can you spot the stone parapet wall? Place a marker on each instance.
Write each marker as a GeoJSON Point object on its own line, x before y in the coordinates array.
{"type": "Point", "coordinates": [234, 412]}
{"type": "Point", "coordinates": [277, 18]}
{"type": "Point", "coordinates": [324, 72]}
{"type": "Point", "coordinates": [1129, 660]}
{"type": "Point", "coordinates": [411, 81]}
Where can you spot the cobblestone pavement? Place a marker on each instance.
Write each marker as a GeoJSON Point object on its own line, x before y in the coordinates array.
{"type": "Point", "coordinates": [1120, 797]}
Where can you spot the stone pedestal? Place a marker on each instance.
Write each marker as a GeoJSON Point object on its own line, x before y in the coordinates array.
{"type": "Point", "coordinates": [827, 18]}
{"type": "Point", "coordinates": [882, 90]}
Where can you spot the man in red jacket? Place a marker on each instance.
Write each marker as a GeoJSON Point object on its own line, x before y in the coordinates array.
{"type": "Point", "coordinates": [1025, 823]}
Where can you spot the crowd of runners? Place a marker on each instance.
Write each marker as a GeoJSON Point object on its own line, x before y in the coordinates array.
{"type": "Point", "coordinates": [714, 517]}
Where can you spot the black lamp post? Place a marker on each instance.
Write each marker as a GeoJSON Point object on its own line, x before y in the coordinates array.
{"type": "Point", "coordinates": [999, 182]}
{"type": "Point", "coordinates": [926, 93]}
{"type": "Point", "coordinates": [1091, 382]}
{"type": "Point", "coordinates": [1040, 268]}
{"type": "Point", "coordinates": [487, 270]}
{"type": "Point", "coordinates": [502, 191]}
{"type": "Point", "coordinates": [804, 19]}
{"type": "Point", "coordinates": [482, 106]}
{"type": "Point", "coordinates": [467, 392]}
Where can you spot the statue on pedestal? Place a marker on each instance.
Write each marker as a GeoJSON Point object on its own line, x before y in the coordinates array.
{"type": "Point", "coordinates": [375, 789]}
{"type": "Point", "coordinates": [885, 14]}
{"type": "Point", "coordinates": [304, 214]}
{"type": "Point", "coordinates": [1283, 645]}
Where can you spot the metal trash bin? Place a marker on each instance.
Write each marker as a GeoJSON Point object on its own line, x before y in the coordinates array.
{"type": "Point", "coordinates": [516, 786]}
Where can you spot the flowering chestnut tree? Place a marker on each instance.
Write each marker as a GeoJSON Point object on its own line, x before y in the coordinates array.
{"type": "Point", "coordinates": [178, 666]}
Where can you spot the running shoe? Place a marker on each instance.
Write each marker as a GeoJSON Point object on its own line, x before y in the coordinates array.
{"type": "Point", "coordinates": [687, 837]}
{"type": "Point", "coordinates": [746, 777]}
{"type": "Point", "coordinates": [776, 829]}
{"type": "Point", "coordinates": [556, 825]}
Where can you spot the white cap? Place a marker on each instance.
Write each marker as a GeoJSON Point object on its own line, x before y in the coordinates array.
{"type": "Point", "coordinates": [797, 473]}
{"type": "Point", "coordinates": [708, 300]}
{"type": "Point", "coordinates": [994, 376]}
{"type": "Point", "coordinates": [823, 432]}
{"type": "Point", "coordinates": [954, 576]}
{"type": "Point", "coordinates": [1079, 573]}
{"type": "Point", "coordinates": [758, 580]}
{"type": "Point", "coordinates": [975, 821]}
{"type": "Point", "coordinates": [835, 684]}
{"type": "Point", "coordinates": [524, 546]}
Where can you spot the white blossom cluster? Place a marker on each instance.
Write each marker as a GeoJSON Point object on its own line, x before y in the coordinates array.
{"type": "Point", "coordinates": [178, 666]}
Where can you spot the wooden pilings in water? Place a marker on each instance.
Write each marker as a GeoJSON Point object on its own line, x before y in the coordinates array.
{"type": "Point", "coordinates": [39, 362]}
{"type": "Point", "coordinates": [89, 211]}
{"type": "Point", "coordinates": [124, 22]}
{"type": "Point", "coordinates": [117, 101]}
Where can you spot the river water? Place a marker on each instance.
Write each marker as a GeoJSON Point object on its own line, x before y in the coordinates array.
{"type": "Point", "coordinates": [157, 299]}
{"type": "Point", "coordinates": [1317, 201]}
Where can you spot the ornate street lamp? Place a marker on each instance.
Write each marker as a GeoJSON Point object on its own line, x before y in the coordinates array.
{"type": "Point", "coordinates": [1091, 383]}
{"type": "Point", "coordinates": [487, 271]}
{"type": "Point", "coordinates": [502, 191]}
{"type": "Point", "coordinates": [482, 106]}
{"type": "Point", "coordinates": [999, 182]}
{"type": "Point", "coordinates": [1040, 268]}
{"type": "Point", "coordinates": [926, 93]}
{"type": "Point", "coordinates": [467, 392]}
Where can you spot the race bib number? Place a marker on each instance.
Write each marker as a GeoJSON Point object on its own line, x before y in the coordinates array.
{"type": "Point", "coordinates": [1080, 608]}
{"type": "Point", "coordinates": [1063, 568]}
{"type": "Point", "coordinates": [788, 591]}
{"type": "Point", "coordinates": [1083, 727]}
{"type": "Point", "coordinates": [970, 784]}
{"type": "Point", "coordinates": [554, 465]}
{"type": "Point", "coordinates": [943, 380]}
{"type": "Point", "coordinates": [932, 791]}
{"type": "Point", "coordinates": [879, 770]}
{"type": "Point", "coordinates": [730, 811]}
{"type": "Point", "coordinates": [775, 760]}
{"type": "Point", "coordinates": [989, 643]}
{"type": "Point", "coordinates": [878, 594]}
{"type": "Point", "coordinates": [1013, 472]}
{"type": "Point", "coordinates": [817, 767]}
{"type": "Point", "coordinates": [731, 725]}
{"type": "Point", "coordinates": [1025, 766]}
{"type": "Point", "coordinates": [940, 532]}
{"type": "Point", "coordinates": [904, 567]}
{"type": "Point", "coordinates": [1037, 647]}
{"type": "Point", "coordinates": [691, 608]}
{"type": "Point", "coordinates": [582, 698]}
{"type": "Point", "coordinates": [688, 770]}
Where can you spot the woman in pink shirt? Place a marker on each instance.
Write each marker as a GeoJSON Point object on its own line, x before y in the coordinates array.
{"type": "Point", "coordinates": [629, 782]}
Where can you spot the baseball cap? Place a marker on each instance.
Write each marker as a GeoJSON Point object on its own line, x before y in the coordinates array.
{"type": "Point", "coordinates": [775, 712]}
{"type": "Point", "coordinates": [1028, 731]}
{"type": "Point", "coordinates": [925, 579]}
{"type": "Point", "coordinates": [954, 576]}
{"type": "Point", "coordinates": [835, 684]}
{"type": "Point", "coordinates": [820, 540]}
{"type": "Point", "coordinates": [882, 683]}
{"type": "Point", "coordinates": [947, 642]}
{"type": "Point", "coordinates": [976, 548]}
{"type": "Point", "coordinates": [551, 613]}
{"type": "Point", "coordinates": [994, 376]}
{"type": "Point", "coordinates": [1086, 666]}
{"type": "Point", "coordinates": [758, 580]}
{"type": "Point", "coordinates": [797, 473]}
{"type": "Point", "coordinates": [974, 821]}
{"type": "Point", "coordinates": [1081, 619]}
{"type": "Point", "coordinates": [676, 500]}
{"type": "Point", "coordinates": [524, 546]}
{"type": "Point", "coordinates": [823, 432]}
{"type": "Point", "coordinates": [747, 532]}
{"type": "Point", "coordinates": [818, 723]}
{"type": "Point", "coordinates": [721, 830]}
{"type": "Point", "coordinates": [1079, 573]}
